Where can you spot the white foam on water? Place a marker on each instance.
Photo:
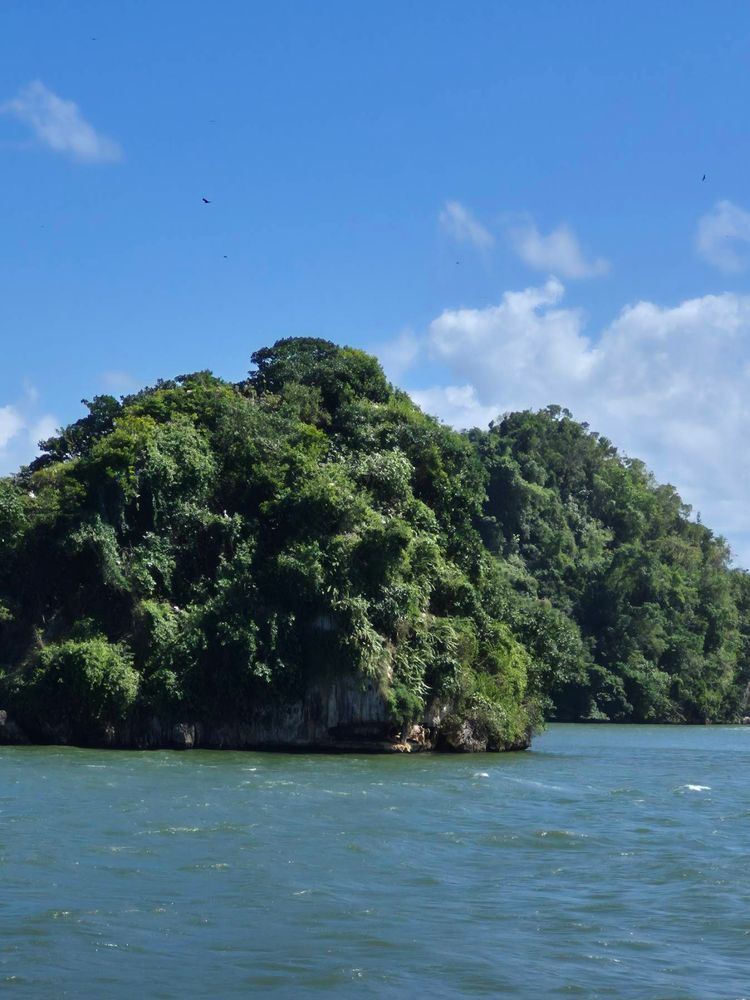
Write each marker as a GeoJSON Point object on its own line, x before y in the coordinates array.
{"type": "Point", "coordinates": [562, 834]}
{"type": "Point", "coordinates": [530, 783]}
{"type": "Point", "coordinates": [698, 788]}
{"type": "Point", "coordinates": [481, 774]}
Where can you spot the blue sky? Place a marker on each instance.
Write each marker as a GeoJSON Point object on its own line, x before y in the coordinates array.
{"type": "Point", "coordinates": [503, 200]}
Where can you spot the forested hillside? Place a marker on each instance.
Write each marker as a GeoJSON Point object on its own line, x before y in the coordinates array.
{"type": "Point", "coordinates": [631, 605]}
{"type": "Point", "coordinates": [206, 550]}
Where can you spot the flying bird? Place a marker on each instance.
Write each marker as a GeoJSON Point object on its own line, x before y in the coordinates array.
{"type": "Point", "coordinates": [205, 201]}
{"type": "Point", "coordinates": [703, 177]}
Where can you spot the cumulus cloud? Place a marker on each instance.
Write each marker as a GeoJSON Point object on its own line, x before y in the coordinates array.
{"type": "Point", "coordinates": [460, 224]}
{"type": "Point", "coordinates": [558, 252]}
{"type": "Point", "coordinates": [458, 405]}
{"type": "Point", "coordinates": [523, 337]}
{"type": "Point", "coordinates": [722, 237]}
{"type": "Point", "coordinates": [59, 125]}
{"type": "Point", "coordinates": [669, 385]}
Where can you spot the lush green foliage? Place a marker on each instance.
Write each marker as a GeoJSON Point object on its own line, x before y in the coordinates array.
{"type": "Point", "coordinates": [202, 548]}
{"type": "Point", "coordinates": [630, 609]}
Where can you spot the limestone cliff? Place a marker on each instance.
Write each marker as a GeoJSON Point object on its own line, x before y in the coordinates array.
{"type": "Point", "coordinates": [341, 716]}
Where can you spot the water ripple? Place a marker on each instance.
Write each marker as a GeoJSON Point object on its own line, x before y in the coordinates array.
{"type": "Point", "coordinates": [608, 862]}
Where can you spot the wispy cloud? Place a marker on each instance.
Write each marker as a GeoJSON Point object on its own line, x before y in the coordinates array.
{"type": "Point", "coordinates": [559, 252]}
{"type": "Point", "coordinates": [398, 355]}
{"type": "Point", "coordinates": [460, 224]}
{"type": "Point", "coordinates": [11, 423]}
{"type": "Point", "coordinates": [59, 125]}
{"type": "Point", "coordinates": [42, 428]}
{"type": "Point", "coordinates": [723, 237]}
{"type": "Point", "coordinates": [22, 427]}
{"type": "Point", "coordinates": [118, 381]}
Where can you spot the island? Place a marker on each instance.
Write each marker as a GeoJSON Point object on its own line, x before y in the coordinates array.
{"type": "Point", "coordinates": [306, 560]}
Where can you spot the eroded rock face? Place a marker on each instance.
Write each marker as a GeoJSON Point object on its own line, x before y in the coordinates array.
{"type": "Point", "coordinates": [342, 715]}
{"type": "Point", "coordinates": [10, 733]}
{"type": "Point", "coordinates": [465, 738]}
{"type": "Point", "coordinates": [183, 736]}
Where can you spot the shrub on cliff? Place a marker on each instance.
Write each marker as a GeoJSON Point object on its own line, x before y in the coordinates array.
{"type": "Point", "coordinates": [79, 687]}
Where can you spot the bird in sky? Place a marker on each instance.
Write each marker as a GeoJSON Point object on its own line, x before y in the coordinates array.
{"type": "Point", "coordinates": [703, 178]}
{"type": "Point", "coordinates": [205, 201]}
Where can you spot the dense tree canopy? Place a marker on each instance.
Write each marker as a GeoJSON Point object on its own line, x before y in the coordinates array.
{"type": "Point", "coordinates": [207, 548]}
{"type": "Point", "coordinates": [653, 611]}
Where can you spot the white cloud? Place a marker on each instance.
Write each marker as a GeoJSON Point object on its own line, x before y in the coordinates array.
{"type": "Point", "coordinates": [11, 423]}
{"type": "Point", "coordinates": [44, 427]}
{"type": "Point", "coordinates": [21, 429]}
{"type": "Point", "coordinates": [721, 235]}
{"type": "Point", "coordinates": [59, 125]}
{"type": "Point", "coordinates": [523, 338]}
{"type": "Point", "coordinates": [456, 404]}
{"type": "Point", "coordinates": [669, 385]}
{"type": "Point", "coordinates": [558, 252]}
{"type": "Point", "coordinates": [459, 223]}
{"type": "Point", "coordinates": [398, 355]}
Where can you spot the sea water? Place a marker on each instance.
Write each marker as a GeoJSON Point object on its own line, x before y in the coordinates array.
{"type": "Point", "coordinates": [606, 862]}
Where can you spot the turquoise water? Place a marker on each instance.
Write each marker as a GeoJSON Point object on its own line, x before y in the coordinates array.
{"type": "Point", "coordinates": [607, 862]}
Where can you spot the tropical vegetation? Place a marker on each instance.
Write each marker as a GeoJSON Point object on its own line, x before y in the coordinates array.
{"type": "Point", "coordinates": [203, 548]}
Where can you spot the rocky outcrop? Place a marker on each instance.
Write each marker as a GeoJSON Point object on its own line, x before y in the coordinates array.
{"type": "Point", "coordinates": [468, 736]}
{"type": "Point", "coordinates": [463, 737]}
{"type": "Point", "coordinates": [341, 716]}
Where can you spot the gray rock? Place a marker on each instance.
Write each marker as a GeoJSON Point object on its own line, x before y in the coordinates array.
{"type": "Point", "coordinates": [464, 738]}
{"type": "Point", "coordinates": [182, 736]}
{"type": "Point", "coordinates": [10, 732]}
